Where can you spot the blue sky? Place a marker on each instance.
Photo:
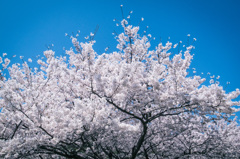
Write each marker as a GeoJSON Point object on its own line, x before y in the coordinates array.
{"type": "Point", "coordinates": [27, 27]}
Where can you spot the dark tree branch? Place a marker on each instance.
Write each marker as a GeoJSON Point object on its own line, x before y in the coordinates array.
{"type": "Point", "coordinates": [15, 130]}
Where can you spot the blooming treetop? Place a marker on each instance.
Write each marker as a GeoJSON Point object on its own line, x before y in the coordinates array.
{"type": "Point", "coordinates": [131, 103]}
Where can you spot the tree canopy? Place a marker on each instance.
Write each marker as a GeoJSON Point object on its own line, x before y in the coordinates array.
{"type": "Point", "coordinates": [134, 103]}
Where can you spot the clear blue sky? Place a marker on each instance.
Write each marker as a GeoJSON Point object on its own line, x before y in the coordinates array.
{"type": "Point", "coordinates": [27, 26]}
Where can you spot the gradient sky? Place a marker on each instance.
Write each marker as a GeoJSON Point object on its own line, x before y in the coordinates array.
{"type": "Point", "coordinates": [28, 26]}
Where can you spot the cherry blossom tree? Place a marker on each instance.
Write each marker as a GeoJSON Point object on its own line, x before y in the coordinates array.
{"type": "Point", "coordinates": [128, 104]}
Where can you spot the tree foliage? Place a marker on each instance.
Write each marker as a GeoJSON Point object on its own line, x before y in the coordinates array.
{"type": "Point", "coordinates": [131, 103]}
